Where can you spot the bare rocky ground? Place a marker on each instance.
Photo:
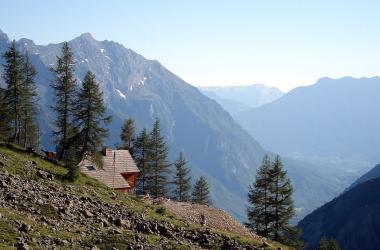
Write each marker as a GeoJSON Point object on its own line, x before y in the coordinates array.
{"type": "Point", "coordinates": [39, 211]}
{"type": "Point", "coordinates": [208, 215]}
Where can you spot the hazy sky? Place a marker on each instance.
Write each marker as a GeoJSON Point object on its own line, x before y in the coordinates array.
{"type": "Point", "coordinates": [280, 43]}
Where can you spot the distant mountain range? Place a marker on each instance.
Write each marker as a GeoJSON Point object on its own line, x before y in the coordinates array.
{"type": "Point", "coordinates": [332, 118]}
{"type": "Point", "coordinates": [352, 218]}
{"type": "Point", "coordinates": [241, 98]}
{"type": "Point", "coordinates": [333, 123]}
{"type": "Point", "coordinates": [215, 145]}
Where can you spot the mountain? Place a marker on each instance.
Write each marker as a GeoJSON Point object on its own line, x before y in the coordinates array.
{"type": "Point", "coordinates": [241, 98]}
{"type": "Point", "coordinates": [332, 118]}
{"type": "Point", "coordinates": [372, 174]}
{"type": "Point", "coordinates": [215, 145]}
{"type": "Point", "coordinates": [353, 219]}
{"type": "Point", "coordinates": [333, 123]}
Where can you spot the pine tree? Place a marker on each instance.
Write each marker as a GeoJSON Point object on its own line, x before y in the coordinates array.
{"type": "Point", "coordinates": [64, 86]}
{"type": "Point", "coordinates": [127, 135]}
{"type": "Point", "coordinates": [89, 116]}
{"type": "Point", "coordinates": [328, 244]}
{"type": "Point", "coordinates": [13, 94]}
{"type": "Point", "coordinates": [72, 162]}
{"type": "Point", "coordinates": [182, 179]}
{"type": "Point", "coordinates": [29, 127]}
{"type": "Point", "coordinates": [158, 166]}
{"type": "Point", "coordinates": [4, 124]}
{"type": "Point", "coordinates": [259, 213]}
{"type": "Point", "coordinates": [201, 192]}
{"type": "Point", "coordinates": [280, 199]}
{"type": "Point", "coordinates": [141, 157]}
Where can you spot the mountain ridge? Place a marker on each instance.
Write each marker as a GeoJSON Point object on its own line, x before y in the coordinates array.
{"type": "Point", "coordinates": [236, 99]}
{"type": "Point", "coordinates": [342, 217]}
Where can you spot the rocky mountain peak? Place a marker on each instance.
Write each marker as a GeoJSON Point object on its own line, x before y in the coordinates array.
{"type": "Point", "coordinates": [3, 36]}
{"type": "Point", "coordinates": [87, 36]}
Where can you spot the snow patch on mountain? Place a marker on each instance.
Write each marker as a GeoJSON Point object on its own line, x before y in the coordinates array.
{"type": "Point", "coordinates": [121, 94]}
{"type": "Point", "coordinates": [142, 81]}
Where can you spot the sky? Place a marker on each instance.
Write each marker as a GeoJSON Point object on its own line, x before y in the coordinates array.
{"type": "Point", "coordinates": [283, 43]}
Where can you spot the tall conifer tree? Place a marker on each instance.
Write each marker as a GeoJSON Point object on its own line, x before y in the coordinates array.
{"type": "Point", "coordinates": [201, 192]}
{"type": "Point", "coordinates": [64, 86]}
{"type": "Point", "coordinates": [280, 199]}
{"type": "Point", "coordinates": [4, 125]}
{"type": "Point", "coordinates": [127, 135]}
{"type": "Point", "coordinates": [158, 165]}
{"type": "Point", "coordinates": [259, 213]}
{"type": "Point", "coordinates": [89, 116]}
{"type": "Point", "coordinates": [12, 101]}
{"type": "Point", "coordinates": [271, 203]}
{"type": "Point", "coordinates": [181, 179]}
{"type": "Point", "coordinates": [141, 153]}
{"type": "Point", "coordinates": [29, 126]}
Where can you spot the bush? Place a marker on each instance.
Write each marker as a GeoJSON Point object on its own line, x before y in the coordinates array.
{"type": "Point", "coordinates": [161, 210]}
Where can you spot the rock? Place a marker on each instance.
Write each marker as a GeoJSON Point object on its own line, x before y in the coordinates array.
{"type": "Point", "coordinates": [88, 214]}
{"type": "Point", "coordinates": [122, 223]}
{"type": "Point", "coordinates": [24, 228]}
{"type": "Point", "coordinates": [60, 242]}
{"type": "Point", "coordinates": [10, 197]}
{"type": "Point", "coordinates": [266, 244]}
{"type": "Point", "coordinates": [69, 203]}
{"type": "Point", "coordinates": [42, 174]}
{"type": "Point", "coordinates": [95, 248]}
{"type": "Point", "coordinates": [21, 246]}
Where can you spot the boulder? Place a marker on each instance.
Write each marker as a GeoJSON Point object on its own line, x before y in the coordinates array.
{"type": "Point", "coordinates": [24, 228]}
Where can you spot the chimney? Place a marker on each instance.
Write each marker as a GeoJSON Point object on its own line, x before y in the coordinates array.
{"type": "Point", "coordinates": [107, 151]}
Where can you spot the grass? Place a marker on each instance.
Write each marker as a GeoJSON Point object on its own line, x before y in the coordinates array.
{"type": "Point", "coordinates": [10, 221]}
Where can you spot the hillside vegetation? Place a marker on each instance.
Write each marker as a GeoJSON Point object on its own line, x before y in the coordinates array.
{"type": "Point", "coordinates": [40, 210]}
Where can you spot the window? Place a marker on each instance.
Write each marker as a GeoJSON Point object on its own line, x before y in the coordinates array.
{"type": "Point", "coordinates": [90, 168]}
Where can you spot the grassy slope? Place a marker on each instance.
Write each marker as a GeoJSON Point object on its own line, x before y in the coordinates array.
{"type": "Point", "coordinates": [14, 163]}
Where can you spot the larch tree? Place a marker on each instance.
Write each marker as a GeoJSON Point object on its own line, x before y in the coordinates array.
{"type": "Point", "coordinates": [141, 153]}
{"type": "Point", "coordinates": [201, 192]}
{"type": "Point", "coordinates": [158, 165]}
{"type": "Point", "coordinates": [259, 213]}
{"type": "Point", "coordinates": [29, 132]}
{"type": "Point", "coordinates": [280, 200]}
{"type": "Point", "coordinates": [4, 126]}
{"type": "Point", "coordinates": [65, 89]}
{"type": "Point", "coordinates": [127, 135]}
{"type": "Point", "coordinates": [90, 118]}
{"type": "Point", "coordinates": [181, 179]}
{"type": "Point", "coordinates": [12, 100]}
